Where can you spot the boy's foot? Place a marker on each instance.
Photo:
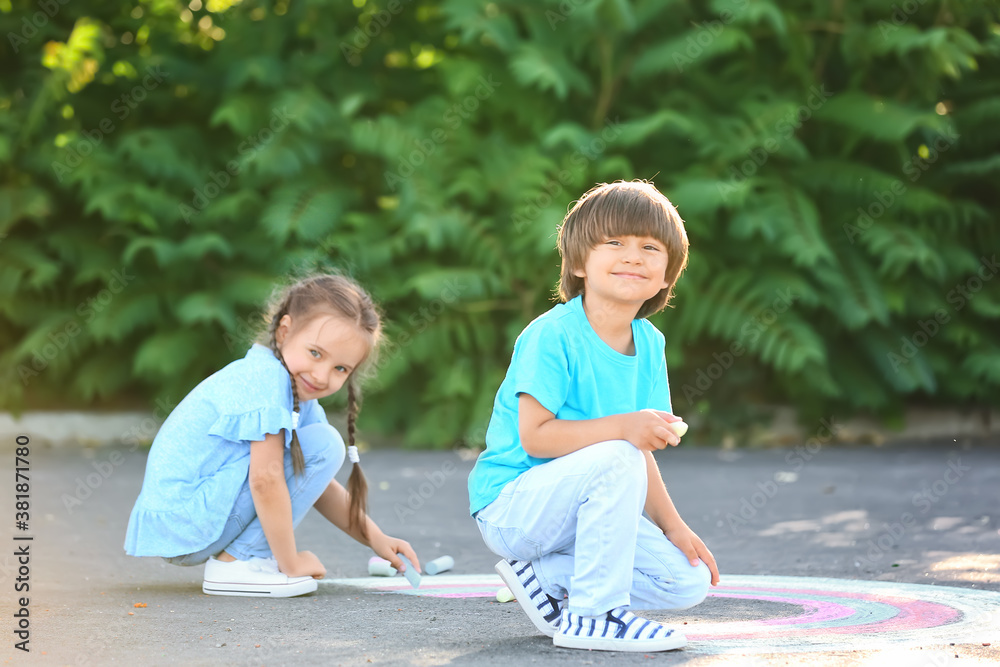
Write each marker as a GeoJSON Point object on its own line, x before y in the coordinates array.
{"type": "Point", "coordinates": [542, 609]}
{"type": "Point", "coordinates": [257, 577]}
{"type": "Point", "coordinates": [617, 630]}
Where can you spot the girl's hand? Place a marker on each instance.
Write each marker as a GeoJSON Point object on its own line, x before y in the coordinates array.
{"type": "Point", "coordinates": [685, 539]}
{"type": "Point", "coordinates": [387, 547]}
{"type": "Point", "coordinates": [647, 429]}
{"type": "Point", "coordinates": [305, 564]}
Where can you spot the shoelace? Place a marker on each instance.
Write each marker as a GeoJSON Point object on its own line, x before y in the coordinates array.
{"type": "Point", "coordinates": [264, 565]}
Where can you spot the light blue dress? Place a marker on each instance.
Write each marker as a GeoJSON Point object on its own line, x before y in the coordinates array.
{"type": "Point", "coordinates": [200, 458]}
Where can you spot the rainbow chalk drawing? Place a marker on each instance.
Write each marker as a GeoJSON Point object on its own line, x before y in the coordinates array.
{"type": "Point", "coordinates": [827, 614]}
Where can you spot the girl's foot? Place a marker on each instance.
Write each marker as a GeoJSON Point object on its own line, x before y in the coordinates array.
{"type": "Point", "coordinates": [257, 577]}
{"type": "Point", "coordinates": [617, 630]}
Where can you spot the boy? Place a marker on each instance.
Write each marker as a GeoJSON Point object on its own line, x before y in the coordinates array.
{"type": "Point", "coordinates": [567, 472]}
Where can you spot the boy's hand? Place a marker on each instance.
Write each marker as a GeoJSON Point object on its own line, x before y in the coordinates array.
{"type": "Point", "coordinates": [387, 547]}
{"type": "Point", "coordinates": [647, 429]}
{"type": "Point", "coordinates": [685, 539]}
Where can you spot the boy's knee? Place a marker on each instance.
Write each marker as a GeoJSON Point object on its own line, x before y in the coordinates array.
{"type": "Point", "coordinates": [321, 443]}
{"type": "Point", "coordinates": [619, 457]}
{"type": "Point", "coordinates": [692, 587]}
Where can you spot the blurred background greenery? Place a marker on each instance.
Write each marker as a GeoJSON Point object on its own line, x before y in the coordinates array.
{"type": "Point", "coordinates": [165, 164]}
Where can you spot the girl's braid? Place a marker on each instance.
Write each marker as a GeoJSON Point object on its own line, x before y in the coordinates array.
{"type": "Point", "coordinates": [357, 485]}
{"type": "Point", "coordinates": [298, 460]}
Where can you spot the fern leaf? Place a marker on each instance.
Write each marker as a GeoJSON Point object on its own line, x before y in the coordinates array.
{"type": "Point", "coordinates": [101, 375]}
{"type": "Point", "coordinates": [545, 69]}
{"type": "Point", "coordinates": [882, 120]}
{"type": "Point", "coordinates": [901, 247]}
{"type": "Point", "coordinates": [206, 307]}
{"type": "Point", "coordinates": [165, 353]}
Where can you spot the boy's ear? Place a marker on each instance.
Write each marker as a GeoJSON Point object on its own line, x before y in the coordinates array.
{"type": "Point", "coordinates": [580, 273]}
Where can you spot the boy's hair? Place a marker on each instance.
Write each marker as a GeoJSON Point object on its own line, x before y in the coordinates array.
{"type": "Point", "coordinates": [621, 208]}
{"type": "Point", "coordinates": [331, 294]}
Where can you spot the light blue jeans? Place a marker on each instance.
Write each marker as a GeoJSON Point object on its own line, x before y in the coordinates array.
{"type": "Point", "coordinates": [578, 519]}
{"type": "Point", "coordinates": [243, 537]}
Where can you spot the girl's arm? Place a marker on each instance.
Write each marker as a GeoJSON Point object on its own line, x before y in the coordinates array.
{"type": "Point", "coordinates": [274, 507]}
{"type": "Point", "coordinates": [335, 504]}
{"type": "Point", "coordinates": [662, 512]}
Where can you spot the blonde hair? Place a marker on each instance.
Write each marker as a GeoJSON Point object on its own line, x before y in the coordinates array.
{"type": "Point", "coordinates": [344, 298]}
{"type": "Point", "coordinates": [621, 208]}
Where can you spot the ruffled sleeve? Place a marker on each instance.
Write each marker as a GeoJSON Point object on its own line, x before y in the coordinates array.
{"type": "Point", "coordinates": [252, 426]}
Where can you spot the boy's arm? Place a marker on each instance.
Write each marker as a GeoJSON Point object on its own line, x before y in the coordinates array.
{"type": "Point", "coordinates": [545, 437]}
{"type": "Point", "coordinates": [662, 512]}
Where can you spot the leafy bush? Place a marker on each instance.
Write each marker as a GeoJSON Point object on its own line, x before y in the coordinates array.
{"type": "Point", "coordinates": [166, 166]}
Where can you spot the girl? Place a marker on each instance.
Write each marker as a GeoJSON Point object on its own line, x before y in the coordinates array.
{"type": "Point", "coordinates": [239, 462]}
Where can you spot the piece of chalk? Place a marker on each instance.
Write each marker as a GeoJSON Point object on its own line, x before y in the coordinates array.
{"type": "Point", "coordinates": [439, 565]}
{"type": "Point", "coordinates": [679, 428]}
{"type": "Point", "coordinates": [379, 567]}
{"type": "Point", "coordinates": [410, 572]}
{"type": "Point", "coordinates": [504, 595]}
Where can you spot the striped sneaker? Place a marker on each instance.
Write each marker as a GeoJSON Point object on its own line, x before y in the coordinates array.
{"type": "Point", "coordinates": [542, 609]}
{"type": "Point", "coordinates": [618, 630]}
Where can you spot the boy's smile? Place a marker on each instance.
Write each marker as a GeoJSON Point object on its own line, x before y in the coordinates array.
{"type": "Point", "coordinates": [624, 270]}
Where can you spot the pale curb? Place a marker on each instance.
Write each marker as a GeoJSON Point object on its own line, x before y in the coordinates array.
{"type": "Point", "coordinates": [73, 429]}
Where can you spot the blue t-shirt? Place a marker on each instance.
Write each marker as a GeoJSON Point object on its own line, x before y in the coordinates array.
{"type": "Point", "coordinates": [200, 457]}
{"type": "Point", "coordinates": [561, 361]}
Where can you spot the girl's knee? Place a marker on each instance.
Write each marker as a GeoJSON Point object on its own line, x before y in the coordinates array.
{"type": "Point", "coordinates": [322, 445]}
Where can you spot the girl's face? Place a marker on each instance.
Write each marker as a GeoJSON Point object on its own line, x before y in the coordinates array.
{"type": "Point", "coordinates": [320, 353]}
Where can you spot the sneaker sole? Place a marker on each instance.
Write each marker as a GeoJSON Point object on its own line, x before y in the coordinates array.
{"type": "Point", "coordinates": [509, 577]}
{"type": "Point", "coordinates": [674, 641]}
{"type": "Point", "coordinates": [288, 590]}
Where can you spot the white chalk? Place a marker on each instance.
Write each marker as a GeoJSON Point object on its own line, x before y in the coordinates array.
{"type": "Point", "coordinates": [379, 567]}
{"type": "Point", "coordinates": [679, 428]}
{"type": "Point", "coordinates": [504, 595]}
{"type": "Point", "coordinates": [439, 565]}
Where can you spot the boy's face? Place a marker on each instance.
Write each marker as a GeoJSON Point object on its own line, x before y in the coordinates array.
{"type": "Point", "coordinates": [625, 269]}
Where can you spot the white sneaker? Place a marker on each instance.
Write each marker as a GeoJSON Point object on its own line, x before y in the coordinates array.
{"type": "Point", "coordinates": [618, 630]}
{"type": "Point", "coordinates": [257, 577]}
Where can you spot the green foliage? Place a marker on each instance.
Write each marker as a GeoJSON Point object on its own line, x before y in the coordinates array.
{"type": "Point", "coordinates": [163, 169]}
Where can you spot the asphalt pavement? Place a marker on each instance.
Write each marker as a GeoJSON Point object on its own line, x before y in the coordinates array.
{"type": "Point", "coordinates": [922, 513]}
